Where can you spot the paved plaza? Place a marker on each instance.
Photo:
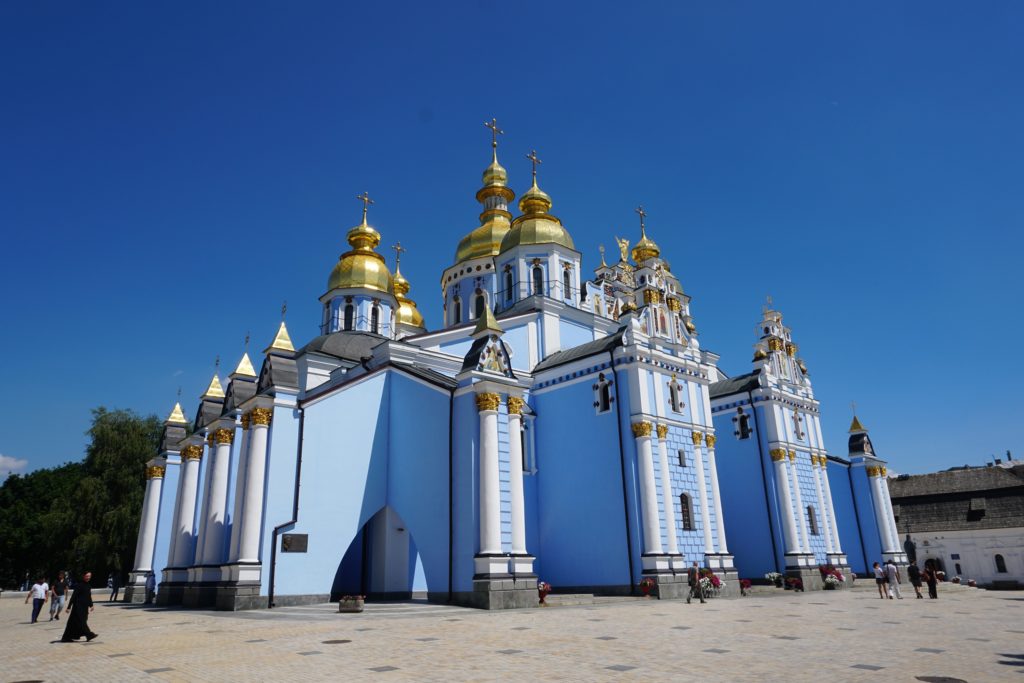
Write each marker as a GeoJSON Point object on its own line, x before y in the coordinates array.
{"type": "Point", "coordinates": [776, 635]}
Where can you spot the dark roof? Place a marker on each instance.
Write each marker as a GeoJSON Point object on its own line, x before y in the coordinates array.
{"type": "Point", "coordinates": [963, 499]}
{"type": "Point", "coordinates": [353, 346]}
{"type": "Point", "coordinates": [278, 371]}
{"type": "Point", "coordinates": [239, 391]}
{"type": "Point", "coordinates": [735, 385]}
{"type": "Point", "coordinates": [173, 433]}
{"type": "Point", "coordinates": [473, 355]}
{"type": "Point", "coordinates": [590, 348]}
{"type": "Point", "coordinates": [428, 375]}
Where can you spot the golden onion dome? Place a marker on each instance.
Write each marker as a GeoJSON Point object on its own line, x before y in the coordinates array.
{"type": "Point", "coordinates": [362, 267]}
{"type": "Point", "coordinates": [495, 220]}
{"type": "Point", "coordinates": [536, 225]}
{"type": "Point", "coordinates": [645, 248]}
{"type": "Point", "coordinates": [407, 313]}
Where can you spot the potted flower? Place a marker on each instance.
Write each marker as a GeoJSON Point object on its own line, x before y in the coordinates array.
{"type": "Point", "coordinates": [972, 583]}
{"type": "Point", "coordinates": [647, 584]}
{"type": "Point", "coordinates": [744, 586]}
{"type": "Point", "coordinates": [351, 603]}
{"type": "Point", "coordinates": [543, 588]}
{"type": "Point", "coordinates": [794, 583]}
{"type": "Point", "coordinates": [831, 582]}
{"type": "Point", "coordinates": [775, 578]}
{"type": "Point", "coordinates": [955, 579]}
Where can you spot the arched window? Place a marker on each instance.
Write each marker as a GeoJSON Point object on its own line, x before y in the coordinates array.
{"type": "Point", "coordinates": [664, 323]}
{"type": "Point", "coordinates": [742, 422]}
{"type": "Point", "coordinates": [538, 280]}
{"type": "Point", "coordinates": [1000, 564]}
{"type": "Point", "coordinates": [349, 316]}
{"type": "Point", "coordinates": [812, 521]}
{"type": "Point", "coordinates": [682, 458]}
{"type": "Point", "coordinates": [508, 285]}
{"type": "Point", "coordinates": [674, 400]}
{"type": "Point", "coordinates": [684, 508]}
{"type": "Point", "coordinates": [478, 308]}
{"type": "Point", "coordinates": [566, 284]}
{"type": "Point", "coordinates": [603, 394]}
{"type": "Point", "coordinates": [375, 320]}
{"type": "Point", "coordinates": [456, 311]}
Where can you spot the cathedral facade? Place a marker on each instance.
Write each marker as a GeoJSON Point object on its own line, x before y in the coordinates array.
{"type": "Point", "coordinates": [557, 427]}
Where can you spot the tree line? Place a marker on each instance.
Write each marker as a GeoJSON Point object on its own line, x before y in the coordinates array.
{"type": "Point", "coordinates": [81, 515]}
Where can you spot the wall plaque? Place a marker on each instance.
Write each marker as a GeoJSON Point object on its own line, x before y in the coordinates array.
{"type": "Point", "coordinates": [294, 543]}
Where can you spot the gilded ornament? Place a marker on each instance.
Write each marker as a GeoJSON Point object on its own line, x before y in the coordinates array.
{"type": "Point", "coordinates": [652, 296]}
{"type": "Point", "coordinates": [192, 452]}
{"type": "Point", "coordinates": [790, 349]}
{"type": "Point", "coordinates": [778, 454]}
{"type": "Point", "coordinates": [641, 429]}
{"type": "Point", "coordinates": [792, 456]}
{"type": "Point", "coordinates": [710, 439]}
{"type": "Point", "coordinates": [224, 436]}
{"type": "Point", "coordinates": [873, 471]}
{"type": "Point", "coordinates": [261, 417]}
{"type": "Point", "coordinates": [515, 405]}
{"type": "Point", "coordinates": [487, 401]}
{"type": "Point", "coordinates": [775, 344]}
{"type": "Point", "coordinates": [155, 472]}
{"type": "Point", "coordinates": [662, 432]}
{"type": "Point", "coordinates": [674, 305]}
{"type": "Point", "coordinates": [698, 438]}
{"type": "Point", "coordinates": [209, 439]}
{"type": "Point", "coordinates": [245, 421]}
{"type": "Point", "coordinates": [883, 471]}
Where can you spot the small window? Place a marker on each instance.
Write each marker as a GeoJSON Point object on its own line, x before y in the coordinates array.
{"type": "Point", "coordinates": [456, 311]}
{"type": "Point", "coordinates": [349, 316]}
{"type": "Point", "coordinates": [674, 400]}
{"type": "Point", "coordinates": [603, 394]}
{"type": "Point", "coordinates": [812, 521]}
{"type": "Point", "coordinates": [1000, 564]}
{"type": "Point", "coordinates": [682, 458]}
{"type": "Point", "coordinates": [478, 309]}
{"type": "Point", "coordinates": [508, 285]}
{"type": "Point", "coordinates": [684, 508]}
{"type": "Point", "coordinates": [375, 320]}
{"type": "Point", "coordinates": [566, 284]}
{"type": "Point", "coordinates": [742, 422]}
{"type": "Point", "coordinates": [663, 324]}
{"type": "Point", "coordinates": [538, 280]}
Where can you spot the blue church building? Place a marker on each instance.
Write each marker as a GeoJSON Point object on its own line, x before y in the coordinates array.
{"type": "Point", "coordinates": [557, 427]}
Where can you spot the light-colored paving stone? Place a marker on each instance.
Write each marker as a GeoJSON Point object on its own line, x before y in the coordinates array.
{"type": "Point", "coordinates": [972, 635]}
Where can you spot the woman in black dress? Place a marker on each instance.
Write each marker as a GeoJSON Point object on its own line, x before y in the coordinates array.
{"type": "Point", "coordinates": [80, 605]}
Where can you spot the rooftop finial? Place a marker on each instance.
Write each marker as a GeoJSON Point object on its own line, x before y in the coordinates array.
{"type": "Point", "coordinates": [216, 363]}
{"type": "Point", "coordinates": [284, 309]}
{"type": "Point", "coordinates": [365, 199]}
{"type": "Point", "coordinates": [397, 246]}
{"type": "Point", "coordinates": [643, 214]}
{"type": "Point", "coordinates": [532, 156]}
{"type": "Point", "coordinates": [179, 392]}
{"type": "Point", "coordinates": [853, 407]}
{"type": "Point", "coordinates": [600, 248]}
{"type": "Point", "coordinates": [495, 132]}
{"type": "Point", "coordinates": [247, 341]}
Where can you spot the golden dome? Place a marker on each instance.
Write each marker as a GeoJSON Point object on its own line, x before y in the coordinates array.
{"type": "Point", "coordinates": [536, 225]}
{"type": "Point", "coordinates": [362, 267]}
{"type": "Point", "coordinates": [407, 313]}
{"type": "Point", "coordinates": [645, 248]}
{"type": "Point", "coordinates": [495, 219]}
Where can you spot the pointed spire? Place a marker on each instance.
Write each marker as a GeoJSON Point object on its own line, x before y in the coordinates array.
{"type": "Point", "coordinates": [486, 324]}
{"type": "Point", "coordinates": [215, 390]}
{"type": "Point", "coordinates": [856, 426]}
{"type": "Point", "coordinates": [282, 342]}
{"type": "Point", "coordinates": [177, 417]}
{"type": "Point", "coordinates": [600, 248]}
{"type": "Point", "coordinates": [244, 368]}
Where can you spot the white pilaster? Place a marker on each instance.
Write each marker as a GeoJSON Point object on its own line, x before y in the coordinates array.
{"type": "Point", "coordinates": [702, 486]}
{"type": "Point", "coordinates": [146, 543]}
{"type": "Point", "coordinates": [216, 512]}
{"type": "Point", "coordinates": [716, 496]}
{"type": "Point", "coordinates": [515, 449]}
{"type": "Point", "coordinates": [185, 507]}
{"type": "Point", "coordinates": [881, 512]}
{"type": "Point", "coordinates": [240, 477]}
{"type": "Point", "coordinates": [666, 491]}
{"type": "Point", "coordinates": [648, 490]}
{"type": "Point", "coordinates": [490, 496]}
{"type": "Point", "coordinates": [782, 482]}
{"type": "Point", "coordinates": [252, 510]}
{"type": "Point", "coordinates": [836, 545]}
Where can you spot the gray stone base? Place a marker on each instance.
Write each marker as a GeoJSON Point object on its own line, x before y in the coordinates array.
{"type": "Point", "coordinates": [134, 594]}
{"type": "Point", "coordinates": [202, 595]}
{"type": "Point", "coordinates": [296, 600]}
{"type": "Point", "coordinates": [670, 586]}
{"type": "Point", "coordinates": [730, 583]}
{"type": "Point", "coordinates": [169, 593]}
{"type": "Point", "coordinates": [500, 594]}
{"type": "Point", "coordinates": [810, 576]}
{"type": "Point", "coordinates": [238, 596]}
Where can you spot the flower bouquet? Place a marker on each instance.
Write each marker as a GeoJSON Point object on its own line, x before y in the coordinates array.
{"type": "Point", "coordinates": [972, 583]}
{"type": "Point", "coordinates": [351, 603]}
{"type": "Point", "coordinates": [647, 584]}
{"type": "Point", "coordinates": [775, 578]}
{"type": "Point", "coordinates": [794, 583]}
{"type": "Point", "coordinates": [832, 582]}
{"type": "Point", "coordinates": [955, 579]}
{"type": "Point", "coordinates": [744, 585]}
{"type": "Point", "coordinates": [543, 588]}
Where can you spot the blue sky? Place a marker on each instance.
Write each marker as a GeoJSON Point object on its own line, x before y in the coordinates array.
{"type": "Point", "coordinates": [171, 172]}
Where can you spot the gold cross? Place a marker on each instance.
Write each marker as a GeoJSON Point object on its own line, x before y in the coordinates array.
{"type": "Point", "coordinates": [600, 248]}
{"type": "Point", "coordinates": [216, 363]}
{"type": "Point", "coordinates": [397, 246]}
{"type": "Point", "coordinates": [365, 199]}
{"type": "Point", "coordinates": [532, 156]}
{"type": "Point", "coordinates": [495, 132]}
{"type": "Point", "coordinates": [853, 406]}
{"type": "Point", "coordinates": [284, 309]}
{"type": "Point", "coordinates": [640, 210]}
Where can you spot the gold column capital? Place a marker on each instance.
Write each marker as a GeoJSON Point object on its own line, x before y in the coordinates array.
{"type": "Point", "coordinates": [209, 439]}
{"type": "Point", "coordinates": [774, 344]}
{"type": "Point", "coordinates": [792, 456]}
{"type": "Point", "coordinates": [224, 436]}
{"type": "Point", "coordinates": [873, 471]}
{"type": "Point", "coordinates": [487, 401]}
{"type": "Point", "coordinates": [651, 296]}
{"type": "Point", "coordinates": [515, 405]}
{"type": "Point", "coordinates": [698, 438]}
{"type": "Point", "coordinates": [778, 454]}
{"type": "Point", "coordinates": [662, 432]}
{"type": "Point", "coordinates": [710, 440]}
{"type": "Point", "coordinates": [245, 421]}
{"type": "Point", "coordinates": [674, 305]}
{"type": "Point", "coordinates": [155, 472]}
{"type": "Point", "coordinates": [641, 429]}
{"type": "Point", "coordinates": [261, 417]}
{"type": "Point", "coordinates": [883, 471]}
{"type": "Point", "coordinates": [192, 452]}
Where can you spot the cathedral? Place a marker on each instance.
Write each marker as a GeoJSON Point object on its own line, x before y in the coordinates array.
{"type": "Point", "coordinates": [558, 427]}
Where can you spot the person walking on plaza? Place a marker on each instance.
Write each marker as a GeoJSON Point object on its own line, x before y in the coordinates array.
{"type": "Point", "coordinates": [892, 573]}
{"type": "Point", "coordinates": [150, 588]}
{"type": "Point", "coordinates": [57, 593]}
{"type": "Point", "coordinates": [879, 579]}
{"type": "Point", "coordinates": [914, 574]}
{"type": "Point", "coordinates": [115, 587]}
{"type": "Point", "coordinates": [693, 578]}
{"type": "Point", "coordinates": [38, 594]}
{"type": "Point", "coordinates": [80, 605]}
{"type": "Point", "coordinates": [932, 579]}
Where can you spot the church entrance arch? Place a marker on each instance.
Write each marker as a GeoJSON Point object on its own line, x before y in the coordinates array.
{"type": "Point", "coordinates": [382, 561]}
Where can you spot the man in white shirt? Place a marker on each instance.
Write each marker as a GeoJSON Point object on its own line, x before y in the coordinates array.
{"type": "Point", "coordinates": [39, 592]}
{"type": "Point", "coordinates": [893, 574]}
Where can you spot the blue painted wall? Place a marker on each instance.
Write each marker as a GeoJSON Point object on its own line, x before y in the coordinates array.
{"type": "Point", "coordinates": [846, 515]}
{"type": "Point", "coordinates": [465, 486]}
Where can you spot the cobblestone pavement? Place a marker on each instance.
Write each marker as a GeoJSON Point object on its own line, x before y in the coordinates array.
{"type": "Point", "coordinates": [848, 635]}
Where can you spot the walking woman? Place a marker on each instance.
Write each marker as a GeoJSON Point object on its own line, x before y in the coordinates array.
{"type": "Point", "coordinates": [932, 579]}
{"type": "Point", "coordinates": [80, 605]}
{"type": "Point", "coordinates": [880, 579]}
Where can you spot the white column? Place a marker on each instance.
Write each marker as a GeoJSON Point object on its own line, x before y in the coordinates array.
{"type": "Point", "coordinates": [515, 456]}
{"type": "Point", "coordinates": [216, 513]}
{"type": "Point", "coordinates": [240, 477]}
{"type": "Point", "coordinates": [800, 509]}
{"type": "Point", "coordinates": [204, 502]}
{"type": "Point", "coordinates": [836, 545]}
{"type": "Point", "coordinates": [702, 486]}
{"type": "Point", "coordinates": [822, 510]}
{"type": "Point", "coordinates": [256, 469]}
{"type": "Point", "coordinates": [185, 507]}
{"type": "Point", "coordinates": [881, 513]}
{"type": "Point", "coordinates": [666, 491]}
{"type": "Point", "coordinates": [782, 483]}
{"type": "Point", "coordinates": [648, 490]}
{"type": "Point", "coordinates": [716, 497]}
{"type": "Point", "coordinates": [883, 483]}
{"type": "Point", "coordinates": [490, 491]}
{"type": "Point", "coordinates": [150, 516]}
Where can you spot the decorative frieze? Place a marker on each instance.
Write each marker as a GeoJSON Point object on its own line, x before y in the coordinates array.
{"type": "Point", "coordinates": [261, 416]}
{"type": "Point", "coordinates": [641, 429]}
{"type": "Point", "coordinates": [515, 405]}
{"type": "Point", "coordinates": [192, 452]}
{"type": "Point", "coordinates": [487, 401]}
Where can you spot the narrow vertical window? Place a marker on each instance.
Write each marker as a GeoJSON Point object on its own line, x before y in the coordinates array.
{"type": "Point", "coordinates": [349, 315]}
{"type": "Point", "coordinates": [566, 284]}
{"type": "Point", "coordinates": [508, 285]}
{"type": "Point", "coordinates": [603, 394]}
{"type": "Point", "coordinates": [375, 320]}
{"type": "Point", "coordinates": [1000, 564]}
{"type": "Point", "coordinates": [684, 508]}
{"type": "Point", "coordinates": [479, 307]}
{"type": "Point", "coordinates": [682, 458]}
{"type": "Point", "coordinates": [538, 280]}
{"type": "Point", "coordinates": [456, 311]}
{"type": "Point", "coordinates": [812, 521]}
